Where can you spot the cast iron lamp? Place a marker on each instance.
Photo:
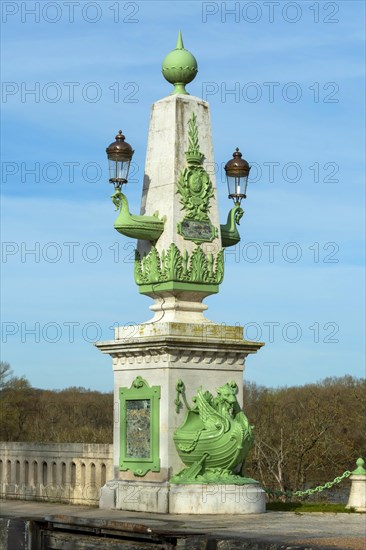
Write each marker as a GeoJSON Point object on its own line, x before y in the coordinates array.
{"type": "Point", "coordinates": [237, 171]}
{"type": "Point", "coordinates": [119, 157]}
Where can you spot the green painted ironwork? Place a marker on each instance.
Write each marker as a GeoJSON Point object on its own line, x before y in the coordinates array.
{"type": "Point", "coordinates": [229, 232]}
{"type": "Point", "coordinates": [307, 492]}
{"type": "Point", "coordinates": [360, 470]}
{"type": "Point", "coordinates": [214, 438]}
{"type": "Point", "coordinates": [179, 67]}
{"type": "Point", "coordinates": [140, 426]}
{"type": "Point", "coordinates": [182, 269]}
{"type": "Point", "coordinates": [180, 393]}
{"type": "Point", "coordinates": [196, 190]}
{"type": "Point", "coordinates": [137, 227]}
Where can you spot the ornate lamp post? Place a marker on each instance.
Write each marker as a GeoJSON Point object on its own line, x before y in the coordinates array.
{"type": "Point", "coordinates": [119, 155]}
{"type": "Point", "coordinates": [237, 171]}
{"type": "Point", "coordinates": [166, 458]}
{"type": "Point", "coordinates": [194, 186]}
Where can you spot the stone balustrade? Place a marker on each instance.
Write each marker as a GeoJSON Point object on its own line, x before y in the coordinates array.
{"type": "Point", "coordinates": [57, 472]}
{"type": "Point", "coordinates": [75, 472]}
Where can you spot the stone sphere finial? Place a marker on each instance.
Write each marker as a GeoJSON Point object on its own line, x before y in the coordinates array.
{"type": "Point", "coordinates": [179, 67]}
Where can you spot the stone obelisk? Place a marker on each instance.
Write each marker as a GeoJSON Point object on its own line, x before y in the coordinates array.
{"type": "Point", "coordinates": [180, 437]}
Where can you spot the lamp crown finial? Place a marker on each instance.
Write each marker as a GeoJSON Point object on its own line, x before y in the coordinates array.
{"type": "Point", "coordinates": [179, 67]}
{"type": "Point", "coordinates": [180, 45]}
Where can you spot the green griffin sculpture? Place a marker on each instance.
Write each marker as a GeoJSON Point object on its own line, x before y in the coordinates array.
{"type": "Point", "coordinates": [214, 439]}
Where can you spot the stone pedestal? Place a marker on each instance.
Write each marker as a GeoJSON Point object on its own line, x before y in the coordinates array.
{"type": "Point", "coordinates": [217, 499]}
{"type": "Point", "coordinates": [164, 498]}
{"type": "Point", "coordinates": [357, 497]}
{"type": "Point", "coordinates": [201, 355]}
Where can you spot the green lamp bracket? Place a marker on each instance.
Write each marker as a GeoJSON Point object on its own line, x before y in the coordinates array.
{"type": "Point", "coordinates": [229, 232]}
{"type": "Point", "coordinates": [148, 228]}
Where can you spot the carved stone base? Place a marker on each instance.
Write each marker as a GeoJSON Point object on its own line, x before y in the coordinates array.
{"type": "Point", "coordinates": [217, 499]}
{"type": "Point", "coordinates": [357, 497]}
{"type": "Point", "coordinates": [199, 354]}
{"type": "Point", "coordinates": [173, 309]}
{"type": "Point", "coordinates": [164, 498]}
{"type": "Point", "coordinates": [135, 496]}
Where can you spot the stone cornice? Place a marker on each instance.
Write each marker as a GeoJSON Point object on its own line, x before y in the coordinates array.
{"type": "Point", "coordinates": [170, 350]}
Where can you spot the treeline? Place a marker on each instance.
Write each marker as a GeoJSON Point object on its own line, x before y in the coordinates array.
{"type": "Point", "coordinates": [303, 435]}
{"type": "Point", "coordinates": [306, 435]}
{"type": "Point", "coordinates": [73, 415]}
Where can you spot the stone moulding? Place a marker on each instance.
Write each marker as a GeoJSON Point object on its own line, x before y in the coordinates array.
{"type": "Point", "coordinates": [199, 269]}
{"type": "Point", "coordinates": [187, 357]}
{"type": "Point", "coordinates": [178, 353]}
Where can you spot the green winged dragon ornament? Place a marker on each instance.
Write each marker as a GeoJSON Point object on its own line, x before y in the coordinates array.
{"type": "Point", "coordinates": [214, 439]}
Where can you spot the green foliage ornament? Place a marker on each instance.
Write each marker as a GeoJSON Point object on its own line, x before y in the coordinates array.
{"type": "Point", "coordinates": [172, 265]}
{"type": "Point", "coordinates": [214, 439]}
{"type": "Point", "coordinates": [196, 190]}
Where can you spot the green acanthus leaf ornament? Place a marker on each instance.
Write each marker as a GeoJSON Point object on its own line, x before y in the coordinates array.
{"type": "Point", "coordinates": [172, 265]}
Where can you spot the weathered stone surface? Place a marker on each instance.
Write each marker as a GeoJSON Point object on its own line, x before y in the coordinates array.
{"type": "Point", "coordinates": [357, 497]}
{"type": "Point", "coordinates": [142, 497]}
{"type": "Point", "coordinates": [216, 499]}
{"type": "Point", "coordinates": [165, 159]}
{"type": "Point", "coordinates": [162, 353]}
{"type": "Point", "coordinates": [68, 472]}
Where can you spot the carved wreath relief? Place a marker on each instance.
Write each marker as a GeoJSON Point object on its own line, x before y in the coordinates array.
{"type": "Point", "coordinates": [196, 191]}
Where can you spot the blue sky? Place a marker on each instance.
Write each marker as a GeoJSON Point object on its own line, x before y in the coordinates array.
{"type": "Point", "coordinates": [285, 82]}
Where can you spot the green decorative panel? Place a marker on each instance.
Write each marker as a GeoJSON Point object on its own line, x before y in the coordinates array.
{"type": "Point", "coordinates": [214, 438]}
{"type": "Point", "coordinates": [196, 231]}
{"type": "Point", "coordinates": [139, 407]}
{"type": "Point", "coordinates": [196, 190]}
{"type": "Point", "coordinates": [172, 266]}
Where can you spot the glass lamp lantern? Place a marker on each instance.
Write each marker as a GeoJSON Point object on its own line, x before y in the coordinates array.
{"type": "Point", "coordinates": [119, 158]}
{"type": "Point", "coordinates": [237, 171]}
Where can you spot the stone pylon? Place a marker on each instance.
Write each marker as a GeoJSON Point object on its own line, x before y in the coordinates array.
{"type": "Point", "coordinates": [179, 184]}
{"type": "Point", "coordinates": [180, 438]}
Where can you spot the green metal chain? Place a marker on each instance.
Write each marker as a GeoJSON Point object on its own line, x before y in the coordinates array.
{"type": "Point", "coordinates": [307, 492]}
